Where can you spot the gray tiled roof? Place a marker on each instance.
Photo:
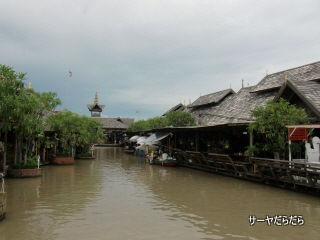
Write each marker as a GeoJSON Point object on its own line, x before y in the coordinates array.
{"type": "Point", "coordinates": [115, 123]}
{"type": "Point", "coordinates": [211, 98]}
{"type": "Point", "coordinates": [311, 92]}
{"type": "Point", "coordinates": [178, 107]}
{"type": "Point", "coordinates": [303, 73]}
{"type": "Point", "coordinates": [235, 109]}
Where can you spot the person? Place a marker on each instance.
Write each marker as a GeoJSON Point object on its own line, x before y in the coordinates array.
{"type": "Point", "coordinates": [164, 156]}
{"type": "Point", "coordinates": [151, 157]}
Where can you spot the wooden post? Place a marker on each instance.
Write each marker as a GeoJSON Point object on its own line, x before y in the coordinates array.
{"type": "Point", "coordinates": [15, 149]}
{"type": "Point", "coordinates": [251, 138]}
{"type": "Point", "coordinates": [305, 152]}
{"type": "Point", "coordinates": [290, 157]}
{"type": "Point", "coordinates": [5, 153]}
{"type": "Point", "coordinates": [197, 141]}
{"type": "Point", "coordinates": [44, 154]}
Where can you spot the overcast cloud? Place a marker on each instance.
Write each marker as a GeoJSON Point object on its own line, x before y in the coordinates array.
{"type": "Point", "coordinates": [148, 55]}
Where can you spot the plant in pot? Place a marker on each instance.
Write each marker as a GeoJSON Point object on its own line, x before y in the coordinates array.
{"type": "Point", "coordinates": [28, 125]}
{"type": "Point", "coordinates": [22, 111]}
{"type": "Point", "coordinates": [64, 125]}
{"type": "Point", "coordinates": [89, 133]}
{"type": "Point", "coordinates": [73, 133]}
{"type": "Point", "coordinates": [29, 168]}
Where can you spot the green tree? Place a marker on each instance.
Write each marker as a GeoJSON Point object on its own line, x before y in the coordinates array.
{"type": "Point", "coordinates": [180, 119]}
{"type": "Point", "coordinates": [271, 122]}
{"type": "Point", "coordinates": [29, 124]}
{"type": "Point", "coordinates": [137, 126]}
{"type": "Point", "coordinates": [21, 112]}
{"type": "Point", "coordinates": [74, 132]}
{"type": "Point", "coordinates": [11, 84]}
{"type": "Point", "coordinates": [175, 119]}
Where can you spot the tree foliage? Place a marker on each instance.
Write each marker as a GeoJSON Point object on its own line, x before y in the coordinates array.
{"type": "Point", "coordinates": [22, 111]}
{"type": "Point", "coordinates": [180, 119]}
{"type": "Point", "coordinates": [271, 122]}
{"type": "Point", "coordinates": [174, 119]}
{"type": "Point", "coordinates": [74, 131]}
{"type": "Point", "coordinates": [11, 86]}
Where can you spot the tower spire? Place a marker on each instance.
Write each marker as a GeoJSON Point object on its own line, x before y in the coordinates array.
{"type": "Point", "coordinates": [95, 108]}
{"type": "Point", "coordinates": [96, 101]}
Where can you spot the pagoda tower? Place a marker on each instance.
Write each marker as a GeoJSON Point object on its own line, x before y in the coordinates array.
{"type": "Point", "coordinates": [95, 108]}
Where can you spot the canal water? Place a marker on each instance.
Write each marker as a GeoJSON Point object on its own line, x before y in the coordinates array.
{"type": "Point", "coordinates": [118, 196]}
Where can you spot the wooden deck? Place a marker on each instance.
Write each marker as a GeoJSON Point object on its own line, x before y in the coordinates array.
{"type": "Point", "coordinates": [281, 173]}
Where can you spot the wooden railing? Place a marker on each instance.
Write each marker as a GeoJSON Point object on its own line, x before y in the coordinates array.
{"type": "Point", "coordinates": [272, 171]}
{"type": "Point", "coordinates": [296, 173]}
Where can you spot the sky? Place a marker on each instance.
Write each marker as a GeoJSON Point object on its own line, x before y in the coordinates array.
{"type": "Point", "coordinates": [145, 56]}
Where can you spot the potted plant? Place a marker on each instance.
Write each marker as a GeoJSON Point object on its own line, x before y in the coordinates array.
{"type": "Point", "coordinates": [30, 168]}
{"type": "Point", "coordinates": [75, 134]}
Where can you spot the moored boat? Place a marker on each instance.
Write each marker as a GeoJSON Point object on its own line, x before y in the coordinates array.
{"type": "Point", "coordinates": [129, 150]}
{"type": "Point", "coordinates": [167, 161]}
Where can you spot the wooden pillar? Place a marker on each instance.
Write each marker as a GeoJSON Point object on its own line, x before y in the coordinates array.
{"type": "Point", "coordinates": [5, 149]}
{"type": "Point", "coordinates": [44, 154]}
{"type": "Point", "coordinates": [290, 156]}
{"type": "Point", "coordinates": [251, 138]}
{"type": "Point", "coordinates": [197, 141]}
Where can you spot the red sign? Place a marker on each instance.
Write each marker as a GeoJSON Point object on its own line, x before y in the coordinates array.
{"type": "Point", "coordinates": [298, 134]}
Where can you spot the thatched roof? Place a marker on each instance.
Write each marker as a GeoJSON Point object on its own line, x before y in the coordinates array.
{"type": "Point", "coordinates": [308, 92]}
{"type": "Point", "coordinates": [178, 107]}
{"type": "Point", "coordinates": [115, 123]}
{"type": "Point", "coordinates": [212, 98]}
{"type": "Point", "coordinates": [303, 73]}
{"type": "Point", "coordinates": [235, 109]}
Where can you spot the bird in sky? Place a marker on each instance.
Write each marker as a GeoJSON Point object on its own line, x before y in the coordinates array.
{"type": "Point", "coordinates": [70, 73]}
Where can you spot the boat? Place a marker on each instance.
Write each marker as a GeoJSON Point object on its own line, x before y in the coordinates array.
{"type": "Point", "coordinates": [3, 199]}
{"type": "Point", "coordinates": [129, 150]}
{"type": "Point", "coordinates": [163, 160]}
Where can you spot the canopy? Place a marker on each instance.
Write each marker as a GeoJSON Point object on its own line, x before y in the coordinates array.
{"type": "Point", "coordinates": [304, 126]}
{"type": "Point", "coordinates": [134, 138]}
{"type": "Point", "coordinates": [144, 147]}
{"type": "Point", "coordinates": [141, 140]}
{"type": "Point", "coordinates": [155, 138]}
{"type": "Point", "coordinates": [301, 132]}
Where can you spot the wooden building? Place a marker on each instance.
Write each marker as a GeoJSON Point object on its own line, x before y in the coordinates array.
{"type": "Point", "coordinates": [178, 107]}
{"type": "Point", "coordinates": [113, 128]}
{"type": "Point", "coordinates": [223, 117]}
{"type": "Point", "coordinates": [219, 141]}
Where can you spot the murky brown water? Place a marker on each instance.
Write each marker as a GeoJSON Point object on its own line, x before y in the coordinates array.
{"type": "Point", "coordinates": [118, 196]}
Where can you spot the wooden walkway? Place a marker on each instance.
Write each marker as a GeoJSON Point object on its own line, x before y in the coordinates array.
{"type": "Point", "coordinates": [281, 173]}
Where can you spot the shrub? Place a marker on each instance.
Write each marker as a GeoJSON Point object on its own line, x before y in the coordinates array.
{"type": "Point", "coordinates": [30, 163]}
{"type": "Point", "coordinates": [174, 119]}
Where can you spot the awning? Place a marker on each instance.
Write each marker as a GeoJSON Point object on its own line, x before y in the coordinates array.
{"type": "Point", "coordinates": [155, 138]}
{"type": "Point", "coordinates": [141, 140]}
{"type": "Point", "coordinates": [134, 138]}
{"type": "Point", "coordinates": [304, 126]}
{"type": "Point", "coordinates": [301, 132]}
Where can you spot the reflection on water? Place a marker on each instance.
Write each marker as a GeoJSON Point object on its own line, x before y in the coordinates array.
{"type": "Point", "coordinates": [118, 196]}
